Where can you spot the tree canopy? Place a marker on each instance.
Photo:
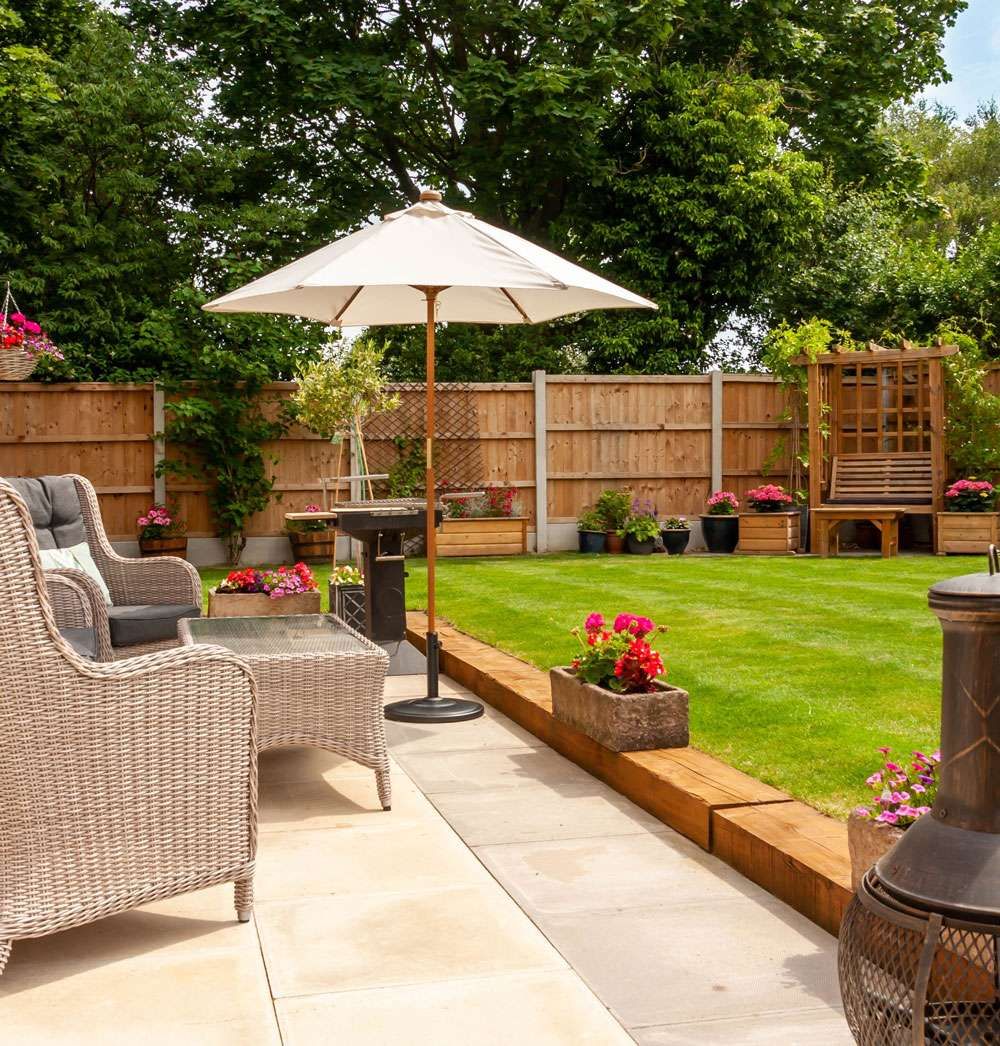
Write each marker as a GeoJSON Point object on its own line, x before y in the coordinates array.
{"type": "Point", "coordinates": [710, 154]}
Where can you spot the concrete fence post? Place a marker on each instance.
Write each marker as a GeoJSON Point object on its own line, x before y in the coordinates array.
{"type": "Point", "coordinates": [718, 387]}
{"type": "Point", "coordinates": [159, 446]}
{"type": "Point", "coordinates": [541, 464]}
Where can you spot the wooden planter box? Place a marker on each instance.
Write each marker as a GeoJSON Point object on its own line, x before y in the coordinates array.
{"type": "Point", "coordinates": [621, 722]}
{"type": "Point", "coordinates": [257, 604]}
{"type": "Point", "coordinates": [502, 536]}
{"type": "Point", "coordinates": [769, 533]}
{"type": "Point", "coordinates": [967, 531]}
{"type": "Point", "coordinates": [313, 546]}
{"type": "Point", "coordinates": [867, 842]}
{"type": "Point", "coordinates": [175, 546]}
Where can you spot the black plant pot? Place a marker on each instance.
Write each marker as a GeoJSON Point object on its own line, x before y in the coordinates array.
{"type": "Point", "coordinates": [639, 548]}
{"type": "Point", "coordinates": [721, 533]}
{"type": "Point", "coordinates": [675, 541]}
{"type": "Point", "coordinates": [591, 540]}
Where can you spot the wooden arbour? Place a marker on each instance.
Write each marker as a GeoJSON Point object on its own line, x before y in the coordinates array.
{"type": "Point", "coordinates": [876, 419]}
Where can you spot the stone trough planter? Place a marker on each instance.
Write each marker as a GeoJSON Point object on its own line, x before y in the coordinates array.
{"type": "Point", "coordinates": [867, 842]}
{"type": "Point", "coordinates": [257, 604]}
{"type": "Point", "coordinates": [621, 722]}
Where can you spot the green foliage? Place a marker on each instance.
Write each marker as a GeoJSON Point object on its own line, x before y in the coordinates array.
{"type": "Point", "coordinates": [614, 506]}
{"type": "Point", "coordinates": [640, 528]}
{"type": "Point", "coordinates": [336, 394]}
{"type": "Point", "coordinates": [592, 520]}
{"type": "Point", "coordinates": [972, 424]}
{"type": "Point", "coordinates": [408, 474]}
{"type": "Point", "coordinates": [219, 422]}
{"type": "Point", "coordinates": [673, 144]}
{"type": "Point", "coordinates": [675, 523]}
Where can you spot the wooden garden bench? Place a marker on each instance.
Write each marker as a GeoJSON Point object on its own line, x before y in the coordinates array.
{"type": "Point", "coordinates": [874, 488]}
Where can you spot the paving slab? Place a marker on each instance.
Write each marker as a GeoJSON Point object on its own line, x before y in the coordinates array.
{"type": "Point", "coordinates": [688, 962]}
{"type": "Point", "coordinates": [609, 873]}
{"type": "Point", "coordinates": [535, 1009]}
{"type": "Point", "coordinates": [792, 1028]}
{"type": "Point", "coordinates": [491, 768]}
{"type": "Point", "coordinates": [323, 944]}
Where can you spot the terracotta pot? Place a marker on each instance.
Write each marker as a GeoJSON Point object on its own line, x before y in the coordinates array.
{"type": "Point", "coordinates": [175, 546]}
{"type": "Point", "coordinates": [621, 722]}
{"type": "Point", "coordinates": [614, 542]}
{"type": "Point", "coordinates": [313, 546]}
{"type": "Point", "coordinates": [867, 841]}
{"type": "Point", "coordinates": [257, 604]}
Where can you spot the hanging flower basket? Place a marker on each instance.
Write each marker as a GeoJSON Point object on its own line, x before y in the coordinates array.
{"type": "Point", "coordinates": [22, 341]}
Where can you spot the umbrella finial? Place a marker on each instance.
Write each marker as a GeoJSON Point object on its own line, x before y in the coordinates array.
{"type": "Point", "coordinates": [430, 194]}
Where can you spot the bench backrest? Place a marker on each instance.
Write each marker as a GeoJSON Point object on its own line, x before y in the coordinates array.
{"type": "Point", "coordinates": [878, 479]}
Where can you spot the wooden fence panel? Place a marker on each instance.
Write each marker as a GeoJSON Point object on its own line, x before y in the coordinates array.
{"type": "Point", "coordinates": [755, 414]}
{"type": "Point", "coordinates": [100, 431]}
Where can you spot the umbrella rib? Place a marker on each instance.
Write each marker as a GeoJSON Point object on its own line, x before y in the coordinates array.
{"type": "Point", "coordinates": [347, 304]}
{"type": "Point", "coordinates": [517, 305]}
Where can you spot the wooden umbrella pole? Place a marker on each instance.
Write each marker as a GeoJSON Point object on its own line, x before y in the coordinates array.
{"type": "Point", "coordinates": [431, 542]}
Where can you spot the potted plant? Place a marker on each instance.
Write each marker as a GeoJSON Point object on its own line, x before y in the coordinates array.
{"type": "Point", "coordinates": [313, 540]}
{"type": "Point", "coordinates": [614, 507]}
{"type": "Point", "coordinates": [611, 693]}
{"type": "Point", "coordinates": [970, 523]}
{"type": "Point", "coordinates": [162, 533]}
{"type": "Point", "coordinates": [720, 525]}
{"type": "Point", "coordinates": [488, 522]}
{"type": "Point", "coordinates": [902, 794]}
{"type": "Point", "coordinates": [22, 343]}
{"type": "Point", "coordinates": [347, 595]}
{"type": "Point", "coordinates": [774, 525]}
{"type": "Point", "coordinates": [676, 534]}
{"type": "Point", "coordinates": [590, 531]}
{"type": "Point", "coordinates": [265, 593]}
{"type": "Point", "coordinates": [640, 530]}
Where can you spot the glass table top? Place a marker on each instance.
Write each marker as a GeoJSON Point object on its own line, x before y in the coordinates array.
{"type": "Point", "coordinates": [262, 636]}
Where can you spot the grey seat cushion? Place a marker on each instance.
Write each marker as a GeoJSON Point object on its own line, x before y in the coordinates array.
{"type": "Point", "coordinates": [147, 623]}
{"type": "Point", "coordinates": [82, 640]}
{"type": "Point", "coordinates": [55, 510]}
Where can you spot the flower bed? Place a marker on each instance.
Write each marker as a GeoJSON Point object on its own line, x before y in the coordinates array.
{"type": "Point", "coordinates": [484, 523]}
{"type": "Point", "coordinates": [970, 523]}
{"type": "Point", "coordinates": [265, 593]}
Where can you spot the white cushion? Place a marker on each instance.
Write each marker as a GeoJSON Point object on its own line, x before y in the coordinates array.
{"type": "Point", "coordinates": [57, 559]}
{"type": "Point", "coordinates": [84, 561]}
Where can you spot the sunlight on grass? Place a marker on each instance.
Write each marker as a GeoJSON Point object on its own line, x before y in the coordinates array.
{"type": "Point", "coordinates": [798, 669]}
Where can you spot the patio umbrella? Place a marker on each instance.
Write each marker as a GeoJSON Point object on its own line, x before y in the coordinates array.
{"type": "Point", "coordinates": [429, 264]}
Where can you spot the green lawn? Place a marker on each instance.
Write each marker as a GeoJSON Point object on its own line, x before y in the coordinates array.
{"type": "Point", "coordinates": [798, 669]}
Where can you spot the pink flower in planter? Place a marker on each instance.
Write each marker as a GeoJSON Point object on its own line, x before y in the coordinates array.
{"type": "Point", "coordinates": [594, 623]}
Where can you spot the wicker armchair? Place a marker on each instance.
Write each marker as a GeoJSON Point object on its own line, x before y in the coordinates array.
{"type": "Point", "coordinates": [148, 595]}
{"type": "Point", "coordinates": [120, 783]}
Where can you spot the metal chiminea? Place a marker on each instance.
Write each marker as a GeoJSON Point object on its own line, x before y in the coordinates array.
{"type": "Point", "coordinates": [919, 941]}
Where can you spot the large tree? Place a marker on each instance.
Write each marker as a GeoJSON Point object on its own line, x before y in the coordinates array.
{"type": "Point", "coordinates": [628, 134]}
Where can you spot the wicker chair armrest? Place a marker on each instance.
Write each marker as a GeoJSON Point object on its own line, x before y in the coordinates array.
{"type": "Point", "coordinates": [78, 602]}
{"type": "Point", "coordinates": [158, 579]}
{"type": "Point", "coordinates": [70, 601]}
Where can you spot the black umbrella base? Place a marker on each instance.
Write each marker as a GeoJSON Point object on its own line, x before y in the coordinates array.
{"type": "Point", "coordinates": [433, 710]}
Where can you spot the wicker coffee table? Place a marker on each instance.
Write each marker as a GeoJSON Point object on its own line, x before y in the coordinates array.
{"type": "Point", "coordinates": [318, 683]}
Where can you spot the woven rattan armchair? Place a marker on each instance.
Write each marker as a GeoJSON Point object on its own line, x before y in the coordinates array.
{"type": "Point", "coordinates": [148, 595]}
{"type": "Point", "coordinates": [120, 783]}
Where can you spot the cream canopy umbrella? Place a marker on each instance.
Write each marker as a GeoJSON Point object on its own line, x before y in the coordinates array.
{"type": "Point", "coordinates": [429, 264]}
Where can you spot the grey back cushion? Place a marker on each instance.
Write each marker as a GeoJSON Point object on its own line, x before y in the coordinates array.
{"type": "Point", "coordinates": [55, 510]}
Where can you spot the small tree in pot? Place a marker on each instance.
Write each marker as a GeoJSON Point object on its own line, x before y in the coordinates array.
{"type": "Point", "coordinates": [902, 794]}
{"type": "Point", "coordinates": [720, 526]}
{"type": "Point", "coordinates": [611, 693]}
{"type": "Point", "coordinates": [590, 531]}
{"type": "Point", "coordinates": [676, 535]}
{"type": "Point", "coordinates": [614, 507]}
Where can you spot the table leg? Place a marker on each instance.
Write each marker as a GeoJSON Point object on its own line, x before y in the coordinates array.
{"type": "Point", "coordinates": [886, 527]}
{"type": "Point", "coordinates": [823, 537]}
